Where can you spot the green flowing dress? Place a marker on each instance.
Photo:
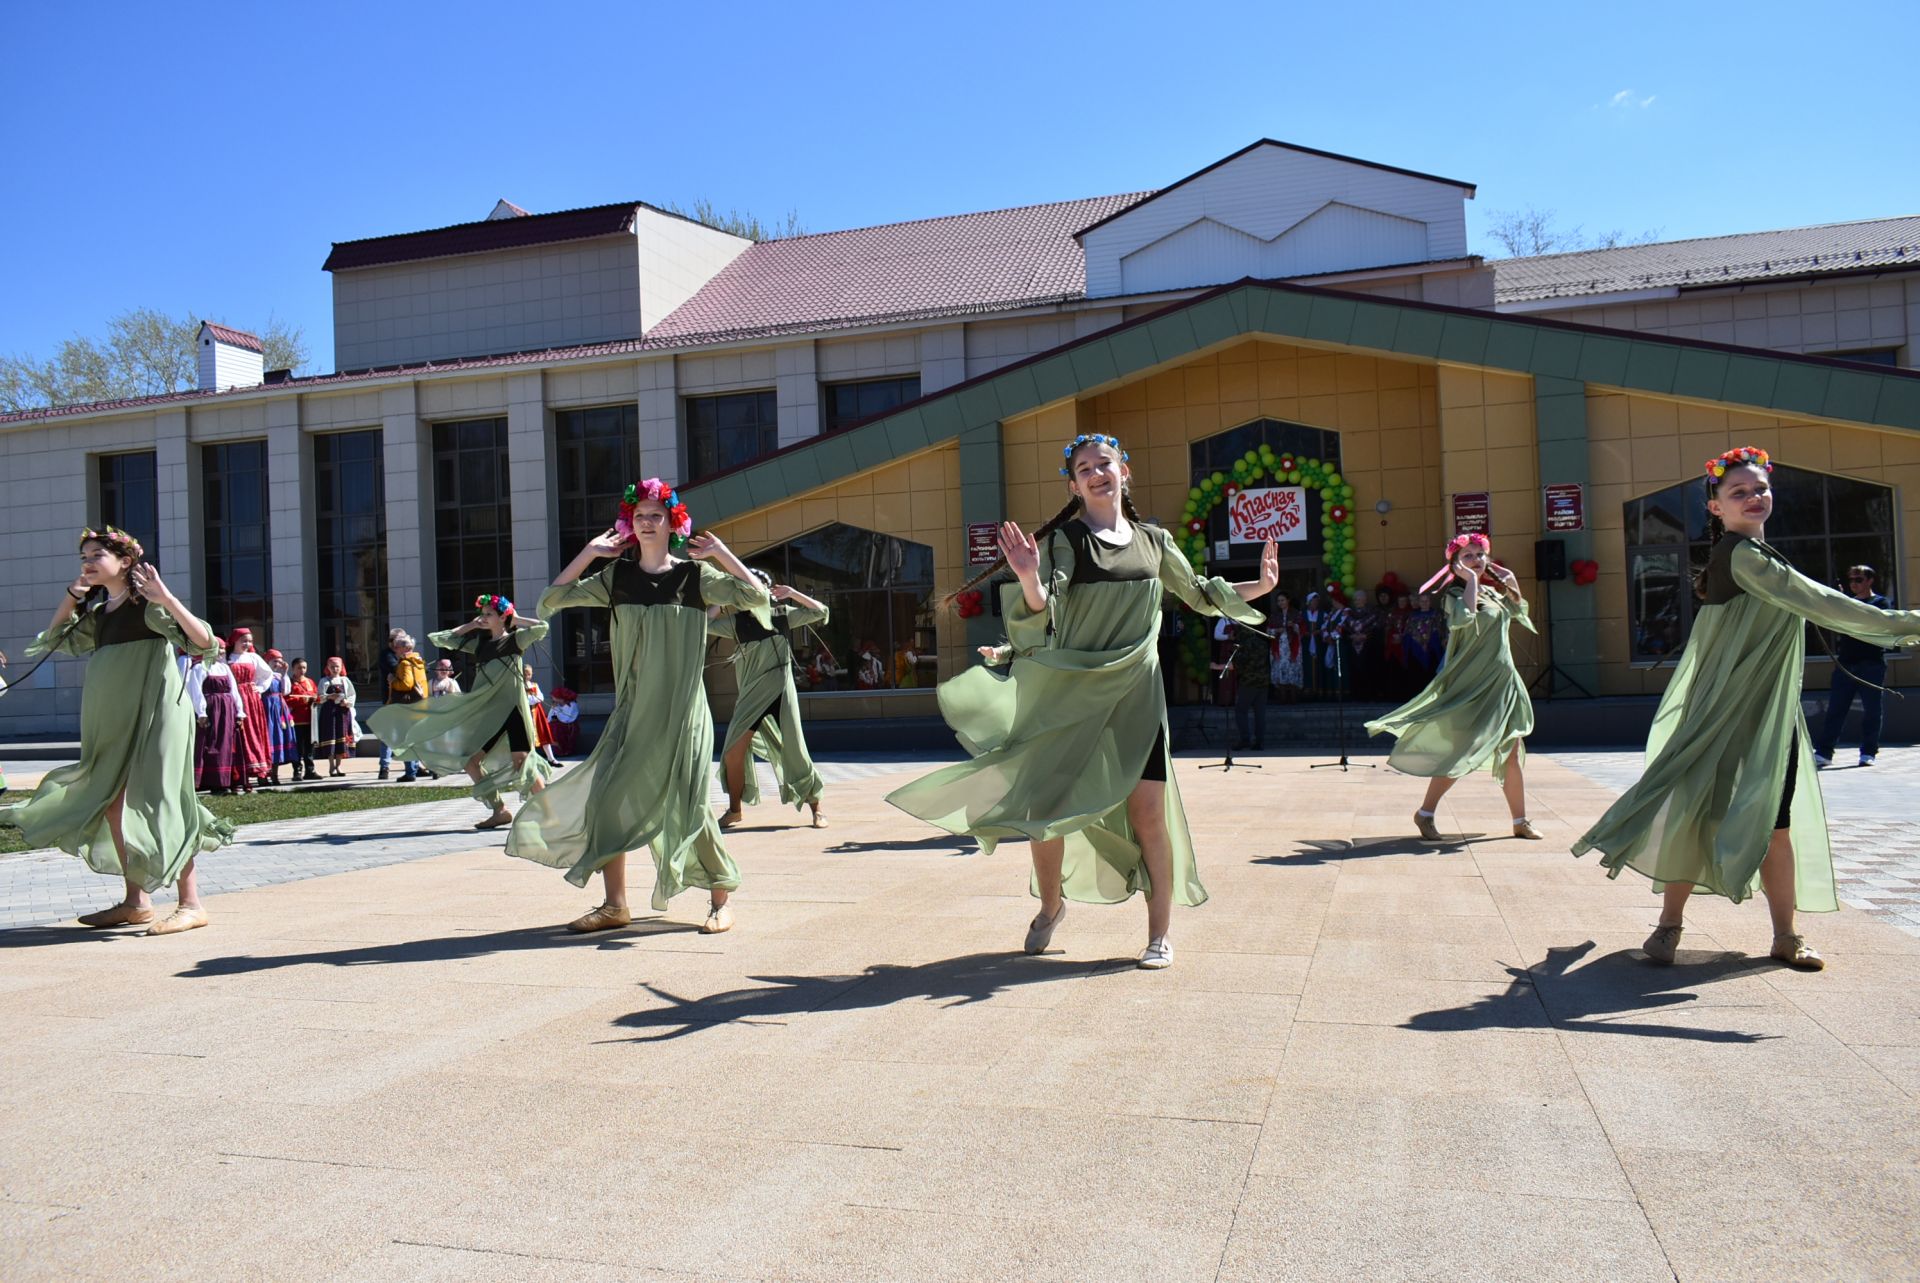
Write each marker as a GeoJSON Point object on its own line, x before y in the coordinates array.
{"type": "Point", "coordinates": [768, 706]}
{"type": "Point", "coordinates": [645, 782]}
{"type": "Point", "coordinates": [136, 738]}
{"type": "Point", "coordinates": [1061, 738]}
{"type": "Point", "coordinates": [1476, 711]}
{"type": "Point", "coordinates": [1717, 756]}
{"type": "Point", "coordinates": [443, 731]}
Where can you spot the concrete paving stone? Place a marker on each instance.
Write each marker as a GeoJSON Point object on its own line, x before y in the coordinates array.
{"type": "Point", "coordinates": [1494, 957]}
{"type": "Point", "coordinates": [1406, 1061]}
{"type": "Point", "coordinates": [1551, 1146]}
{"type": "Point", "coordinates": [1900, 1065]}
{"type": "Point", "coordinates": [1294, 1229]}
{"type": "Point", "coordinates": [1122, 1007]}
{"type": "Point", "coordinates": [1417, 1003]}
{"type": "Point", "coordinates": [1204, 1082]}
{"type": "Point", "coordinates": [435, 1263]}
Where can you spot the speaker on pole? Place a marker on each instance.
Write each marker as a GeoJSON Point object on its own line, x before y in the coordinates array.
{"type": "Point", "coordinates": [1550, 560]}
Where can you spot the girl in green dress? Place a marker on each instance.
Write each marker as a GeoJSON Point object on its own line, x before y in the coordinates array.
{"type": "Point", "coordinates": [127, 807]}
{"type": "Point", "coordinates": [1729, 800]}
{"type": "Point", "coordinates": [766, 713]}
{"type": "Point", "coordinates": [645, 782]}
{"type": "Point", "coordinates": [487, 732]}
{"type": "Point", "coordinates": [1476, 711]}
{"type": "Point", "coordinates": [1069, 744]}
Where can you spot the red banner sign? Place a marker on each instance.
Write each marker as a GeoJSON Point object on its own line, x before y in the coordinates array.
{"type": "Point", "coordinates": [1473, 513]}
{"type": "Point", "coordinates": [1566, 507]}
{"type": "Point", "coordinates": [983, 543]}
{"type": "Point", "coordinates": [1278, 513]}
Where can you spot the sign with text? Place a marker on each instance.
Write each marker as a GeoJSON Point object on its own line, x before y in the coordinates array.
{"type": "Point", "coordinates": [1473, 513]}
{"type": "Point", "coordinates": [983, 543]}
{"type": "Point", "coordinates": [1278, 513]}
{"type": "Point", "coordinates": [1566, 507]}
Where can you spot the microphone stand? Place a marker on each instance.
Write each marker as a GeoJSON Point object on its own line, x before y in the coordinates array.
{"type": "Point", "coordinates": [1227, 764]}
{"type": "Point", "coordinates": [1340, 715]}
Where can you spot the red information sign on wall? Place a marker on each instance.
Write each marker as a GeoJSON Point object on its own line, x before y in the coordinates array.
{"type": "Point", "coordinates": [1566, 507]}
{"type": "Point", "coordinates": [983, 543]}
{"type": "Point", "coordinates": [1473, 513]}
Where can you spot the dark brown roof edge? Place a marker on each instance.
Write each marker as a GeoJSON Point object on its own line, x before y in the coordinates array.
{"type": "Point", "coordinates": [1469, 188]}
{"type": "Point", "coordinates": [503, 233]}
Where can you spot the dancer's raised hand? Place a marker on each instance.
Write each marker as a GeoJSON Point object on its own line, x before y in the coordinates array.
{"type": "Point", "coordinates": [608, 543]}
{"type": "Point", "coordinates": [1021, 552]}
{"type": "Point", "coordinates": [1269, 567]}
{"type": "Point", "coordinates": [147, 582]}
{"type": "Point", "coordinates": [705, 546]}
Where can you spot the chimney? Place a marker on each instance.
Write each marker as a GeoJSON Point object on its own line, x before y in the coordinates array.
{"type": "Point", "coordinates": [229, 358]}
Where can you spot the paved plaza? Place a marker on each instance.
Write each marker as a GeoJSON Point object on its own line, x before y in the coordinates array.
{"type": "Point", "coordinates": [1372, 1059]}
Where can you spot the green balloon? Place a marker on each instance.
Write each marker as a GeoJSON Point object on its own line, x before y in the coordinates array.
{"type": "Point", "coordinates": [1215, 478]}
{"type": "Point", "coordinates": [1333, 478]}
{"type": "Point", "coordinates": [1193, 493]}
{"type": "Point", "coordinates": [1293, 477]}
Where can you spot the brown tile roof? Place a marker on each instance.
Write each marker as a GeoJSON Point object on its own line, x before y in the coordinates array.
{"type": "Point", "coordinates": [234, 338]}
{"type": "Point", "coordinates": [1708, 262]}
{"type": "Point", "coordinates": [965, 263]}
{"type": "Point", "coordinates": [483, 236]}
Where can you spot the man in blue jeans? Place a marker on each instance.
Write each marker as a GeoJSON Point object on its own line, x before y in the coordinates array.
{"type": "Point", "coordinates": [1860, 668]}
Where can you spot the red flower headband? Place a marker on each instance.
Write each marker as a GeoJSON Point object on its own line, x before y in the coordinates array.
{"type": "Point", "coordinates": [1455, 546]}
{"type": "Point", "coordinates": [495, 602]}
{"type": "Point", "coordinates": [679, 522]}
{"type": "Point", "coordinates": [1743, 457]}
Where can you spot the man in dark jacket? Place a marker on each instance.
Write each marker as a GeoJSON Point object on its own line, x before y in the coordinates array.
{"type": "Point", "coordinates": [1860, 668]}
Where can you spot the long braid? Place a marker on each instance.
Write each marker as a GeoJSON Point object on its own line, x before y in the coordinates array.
{"type": "Point", "coordinates": [1716, 531]}
{"type": "Point", "coordinates": [1058, 520]}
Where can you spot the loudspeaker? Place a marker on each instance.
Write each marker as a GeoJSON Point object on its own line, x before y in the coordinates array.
{"type": "Point", "coordinates": [1550, 560]}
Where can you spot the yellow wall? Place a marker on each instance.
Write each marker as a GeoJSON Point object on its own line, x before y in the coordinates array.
{"type": "Point", "coordinates": [916, 498]}
{"type": "Point", "coordinates": [1385, 411]}
{"type": "Point", "coordinates": [1640, 444]}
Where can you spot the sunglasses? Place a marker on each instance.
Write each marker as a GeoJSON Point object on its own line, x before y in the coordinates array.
{"type": "Point", "coordinates": [1859, 579]}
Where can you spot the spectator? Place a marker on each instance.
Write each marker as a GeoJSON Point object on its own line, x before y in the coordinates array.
{"type": "Point", "coordinates": [1859, 668]}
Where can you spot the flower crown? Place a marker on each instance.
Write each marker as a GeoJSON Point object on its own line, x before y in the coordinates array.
{"type": "Point", "coordinates": [679, 522]}
{"type": "Point", "coordinates": [1745, 456]}
{"type": "Point", "coordinates": [495, 602]}
{"type": "Point", "coordinates": [116, 538]}
{"type": "Point", "coordinates": [1460, 543]}
{"type": "Point", "coordinates": [1087, 438]}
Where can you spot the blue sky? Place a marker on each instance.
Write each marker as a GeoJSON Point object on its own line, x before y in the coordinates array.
{"type": "Point", "coordinates": [184, 163]}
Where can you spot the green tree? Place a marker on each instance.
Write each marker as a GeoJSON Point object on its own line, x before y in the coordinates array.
{"type": "Point", "coordinates": [750, 226]}
{"type": "Point", "coordinates": [143, 353]}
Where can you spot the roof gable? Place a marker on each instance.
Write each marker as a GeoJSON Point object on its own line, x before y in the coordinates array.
{"type": "Point", "coordinates": [484, 236]}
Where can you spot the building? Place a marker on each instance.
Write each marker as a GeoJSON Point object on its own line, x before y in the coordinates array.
{"type": "Point", "coordinates": [841, 407]}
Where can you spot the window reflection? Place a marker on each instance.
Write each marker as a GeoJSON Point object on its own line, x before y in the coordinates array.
{"type": "Point", "coordinates": [233, 479]}
{"type": "Point", "coordinates": [350, 552]}
{"type": "Point", "coordinates": [880, 635]}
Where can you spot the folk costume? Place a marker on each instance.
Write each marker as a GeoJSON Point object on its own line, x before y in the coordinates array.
{"type": "Point", "coordinates": [250, 677]}
{"type": "Point", "coordinates": [767, 707]}
{"type": "Point", "coordinates": [645, 783]}
{"type": "Point", "coordinates": [334, 729]}
{"type": "Point", "coordinates": [1078, 715]}
{"type": "Point", "coordinates": [219, 757]}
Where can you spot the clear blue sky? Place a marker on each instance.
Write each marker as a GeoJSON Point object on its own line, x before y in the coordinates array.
{"type": "Point", "coordinates": [164, 157]}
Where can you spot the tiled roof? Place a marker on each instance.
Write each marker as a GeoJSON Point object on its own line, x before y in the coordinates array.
{"type": "Point", "coordinates": [483, 236]}
{"type": "Point", "coordinates": [965, 263]}
{"type": "Point", "coordinates": [235, 338]}
{"type": "Point", "coordinates": [1710, 261]}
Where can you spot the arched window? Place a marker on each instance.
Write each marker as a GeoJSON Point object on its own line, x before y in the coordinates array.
{"type": "Point", "coordinates": [1300, 566]}
{"type": "Point", "coordinates": [1821, 523]}
{"type": "Point", "coordinates": [879, 591]}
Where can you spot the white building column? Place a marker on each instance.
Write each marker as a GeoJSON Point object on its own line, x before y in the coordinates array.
{"type": "Point", "coordinates": [659, 396]}
{"type": "Point", "coordinates": [529, 490]}
{"type": "Point", "coordinates": [290, 530]}
{"type": "Point", "coordinates": [409, 508]}
{"type": "Point", "coordinates": [796, 381]}
{"type": "Point", "coordinates": [177, 488]}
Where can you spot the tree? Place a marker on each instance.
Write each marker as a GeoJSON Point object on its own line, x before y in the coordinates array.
{"type": "Point", "coordinates": [1529, 231]}
{"type": "Point", "coordinates": [143, 353]}
{"type": "Point", "coordinates": [738, 224]}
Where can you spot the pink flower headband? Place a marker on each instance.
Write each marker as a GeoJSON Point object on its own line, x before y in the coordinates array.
{"type": "Point", "coordinates": [114, 540]}
{"type": "Point", "coordinates": [494, 602]}
{"type": "Point", "coordinates": [1455, 546]}
{"type": "Point", "coordinates": [1744, 456]}
{"type": "Point", "coordinates": [679, 522]}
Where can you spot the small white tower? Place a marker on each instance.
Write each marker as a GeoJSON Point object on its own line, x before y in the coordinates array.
{"type": "Point", "coordinates": [230, 358]}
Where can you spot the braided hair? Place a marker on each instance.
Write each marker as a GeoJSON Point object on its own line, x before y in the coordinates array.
{"type": "Point", "coordinates": [1072, 509]}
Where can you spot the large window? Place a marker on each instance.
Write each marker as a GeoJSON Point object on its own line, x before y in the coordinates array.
{"type": "Point", "coordinates": [239, 583]}
{"type": "Point", "coordinates": [472, 516]}
{"type": "Point", "coordinates": [1301, 569]}
{"type": "Point", "coordinates": [844, 404]}
{"type": "Point", "coordinates": [350, 551]}
{"type": "Point", "coordinates": [880, 592]}
{"type": "Point", "coordinates": [130, 498]}
{"type": "Point", "coordinates": [1821, 523]}
{"type": "Point", "coordinates": [724, 432]}
{"type": "Point", "coordinates": [596, 453]}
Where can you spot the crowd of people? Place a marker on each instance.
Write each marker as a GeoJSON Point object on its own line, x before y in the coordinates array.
{"type": "Point", "coordinates": [1065, 723]}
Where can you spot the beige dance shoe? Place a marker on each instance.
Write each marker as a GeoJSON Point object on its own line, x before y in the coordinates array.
{"type": "Point", "coordinates": [120, 915]}
{"type": "Point", "coordinates": [1796, 953]}
{"type": "Point", "coordinates": [1429, 831]}
{"type": "Point", "coordinates": [1662, 945]}
{"type": "Point", "coordinates": [719, 919]}
{"type": "Point", "coordinates": [1040, 931]}
{"type": "Point", "coordinates": [1523, 829]}
{"type": "Point", "coordinates": [730, 819]}
{"type": "Point", "coordinates": [183, 918]}
{"type": "Point", "coordinates": [604, 918]}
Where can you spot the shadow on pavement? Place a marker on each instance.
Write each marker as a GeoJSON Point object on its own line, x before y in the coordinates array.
{"type": "Point", "coordinates": [69, 932]}
{"type": "Point", "coordinates": [350, 839]}
{"type": "Point", "coordinates": [439, 949]}
{"type": "Point", "coordinates": [952, 982]}
{"type": "Point", "coordinates": [943, 842]}
{"type": "Point", "coordinates": [1620, 984]}
{"type": "Point", "coordinates": [1313, 851]}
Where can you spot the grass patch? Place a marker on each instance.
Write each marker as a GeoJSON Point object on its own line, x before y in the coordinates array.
{"type": "Point", "coordinates": [294, 804]}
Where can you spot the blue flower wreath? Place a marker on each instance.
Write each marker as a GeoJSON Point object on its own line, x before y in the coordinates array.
{"type": "Point", "coordinates": [1088, 438]}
